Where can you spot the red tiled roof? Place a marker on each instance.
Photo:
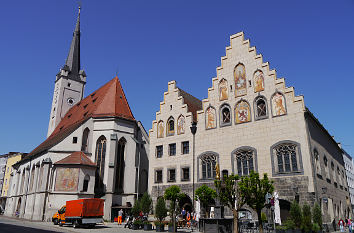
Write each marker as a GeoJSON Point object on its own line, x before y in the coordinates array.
{"type": "Point", "coordinates": [78, 157]}
{"type": "Point", "coordinates": [107, 101]}
{"type": "Point", "coordinates": [193, 103]}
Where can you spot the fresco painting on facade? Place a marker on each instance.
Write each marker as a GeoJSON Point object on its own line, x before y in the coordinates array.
{"type": "Point", "coordinates": [258, 81]}
{"type": "Point", "coordinates": [210, 118]}
{"type": "Point", "coordinates": [223, 90]}
{"type": "Point", "coordinates": [278, 104]}
{"type": "Point", "coordinates": [180, 125]}
{"type": "Point", "coordinates": [240, 80]}
{"type": "Point", "coordinates": [67, 179]}
{"type": "Point", "coordinates": [242, 112]}
{"type": "Point", "coordinates": [160, 129]}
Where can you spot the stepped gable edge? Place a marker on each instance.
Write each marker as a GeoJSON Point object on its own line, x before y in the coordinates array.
{"type": "Point", "coordinates": [192, 103]}
{"type": "Point", "coordinates": [238, 40]}
{"type": "Point", "coordinates": [108, 101]}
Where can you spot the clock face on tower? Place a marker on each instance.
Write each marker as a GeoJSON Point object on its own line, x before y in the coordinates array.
{"type": "Point", "coordinates": [70, 101]}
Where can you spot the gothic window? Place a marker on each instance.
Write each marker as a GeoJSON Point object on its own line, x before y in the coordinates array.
{"type": "Point", "coordinates": [208, 162]}
{"type": "Point", "coordinates": [100, 161]}
{"type": "Point", "coordinates": [225, 115]}
{"type": "Point", "coordinates": [120, 166]}
{"type": "Point", "coordinates": [260, 106]}
{"type": "Point", "coordinates": [245, 160]}
{"type": "Point", "coordinates": [86, 183]}
{"type": "Point", "coordinates": [170, 126]}
{"type": "Point", "coordinates": [85, 140]}
{"type": "Point", "coordinates": [286, 157]}
{"type": "Point", "coordinates": [317, 162]}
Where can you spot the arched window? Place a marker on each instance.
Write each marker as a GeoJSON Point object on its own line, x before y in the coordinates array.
{"type": "Point", "coordinates": [286, 157]}
{"type": "Point", "coordinates": [325, 161]}
{"type": "Point", "coordinates": [86, 183]}
{"type": "Point", "coordinates": [120, 166]}
{"type": "Point", "coordinates": [260, 106]}
{"type": "Point", "coordinates": [170, 127]}
{"type": "Point", "coordinates": [245, 158]}
{"type": "Point", "coordinates": [100, 161]}
{"type": "Point", "coordinates": [317, 162]}
{"type": "Point", "coordinates": [208, 162]}
{"type": "Point", "coordinates": [85, 140]}
{"type": "Point", "coordinates": [225, 115]}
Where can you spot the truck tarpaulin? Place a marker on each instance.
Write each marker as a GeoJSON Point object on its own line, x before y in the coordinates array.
{"type": "Point", "coordinates": [90, 207]}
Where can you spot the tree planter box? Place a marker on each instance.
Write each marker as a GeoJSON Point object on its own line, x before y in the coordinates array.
{"type": "Point", "coordinates": [170, 229]}
{"type": "Point", "coordinates": [160, 228]}
{"type": "Point", "coordinates": [147, 227]}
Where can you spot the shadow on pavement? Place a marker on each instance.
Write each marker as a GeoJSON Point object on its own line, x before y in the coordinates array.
{"type": "Point", "coordinates": [9, 228]}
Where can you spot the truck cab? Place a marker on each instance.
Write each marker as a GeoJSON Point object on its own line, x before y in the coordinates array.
{"type": "Point", "coordinates": [57, 216]}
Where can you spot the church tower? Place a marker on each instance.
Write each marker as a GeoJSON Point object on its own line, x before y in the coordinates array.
{"type": "Point", "coordinates": [69, 84]}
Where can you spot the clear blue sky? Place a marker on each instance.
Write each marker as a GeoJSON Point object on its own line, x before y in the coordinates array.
{"type": "Point", "coordinates": [309, 43]}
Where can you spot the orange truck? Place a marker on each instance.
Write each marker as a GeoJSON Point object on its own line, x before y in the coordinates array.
{"type": "Point", "coordinates": [88, 211]}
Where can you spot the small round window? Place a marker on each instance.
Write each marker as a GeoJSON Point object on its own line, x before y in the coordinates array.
{"type": "Point", "coordinates": [70, 101]}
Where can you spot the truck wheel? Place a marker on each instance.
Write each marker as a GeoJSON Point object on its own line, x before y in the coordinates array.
{"type": "Point", "coordinates": [55, 221]}
{"type": "Point", "coordinates": [91, 225]}
{"type": "Point", "coordinates": [60, 223]}
{"type": "Point", "coordinates": [76, 224]}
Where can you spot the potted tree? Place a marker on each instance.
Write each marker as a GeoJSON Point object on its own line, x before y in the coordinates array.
{"type": "Point", "coordinates": [173, 194]}
{"type": "Point", "coordinates": [145, 203]}
{"type": "Point", "coordinates": [135, 212]}
{"type": "Point", "coordinates": [205, 195]}
{"type": "Point", "coordinates": [160, 214]}
{"type": "Point", "coordinates": [317, 218]}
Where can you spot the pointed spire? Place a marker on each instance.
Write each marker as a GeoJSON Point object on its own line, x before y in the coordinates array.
{"type": "Point", "coordinates": [73, 60]}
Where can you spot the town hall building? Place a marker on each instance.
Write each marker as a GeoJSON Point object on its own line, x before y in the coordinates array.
{"type": "Point", "coordinates": [95, 148]}
{"type": "Point", "coordinates": [250, 121]}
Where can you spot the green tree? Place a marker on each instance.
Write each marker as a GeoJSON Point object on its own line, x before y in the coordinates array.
{"type": "Point", "coordinates": [317, 215]}
{"type": "Point", "coordinates": [160, 210]}
{"type": "Point", "coordinates": [295, 214]}
{"type": "Point", "coordinates": [145, 203]}
{"type": "Point", "coordinates": [136, 208]}
{"type": "Point", "coordinates": [173, 194]}
{"type": "Point", "coordinates": [254, 189]}
{"type": "Point", "coordinates": [230, 194]}
{"type": "Point", "coordinates": [205, 195]}
{"type": "Point", "coordinates": [306, 225]}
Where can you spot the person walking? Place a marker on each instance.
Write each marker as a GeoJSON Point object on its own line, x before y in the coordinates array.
{"type": "Point", "coordinates": [341, 225]}
{"type": "Point", "coordinates": [188, 218]}
{"type": "Point", "coordinates": [120, 216]}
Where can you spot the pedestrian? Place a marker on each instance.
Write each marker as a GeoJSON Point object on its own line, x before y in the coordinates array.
{"type": "Point", "coordinates": [341, 225]}
{"type": "Point", "coordinates": [120, 215]}
{"type": "Point", "coordinates": [188, 218]}
{"type": "Point", "coordinates": [183, 212]}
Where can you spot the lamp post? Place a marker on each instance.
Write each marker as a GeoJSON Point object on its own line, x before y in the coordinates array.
{"type": "Point", "coordinates": [193, 131]}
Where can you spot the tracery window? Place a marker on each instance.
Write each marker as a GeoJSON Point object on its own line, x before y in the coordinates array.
{"type": "Point", "coordinates": [244, 161]}
{"type": "Point", "coordinates": [85, 140]}
{"type": "Point", "coordinates": [317, 161]}
{"type": "Point", "coordinates": [260, 106]}
{"type": "Point", "coordinates": [286, 157]}
{"type": "Point", "coordinates": [170, 126]}
{"type": "Point", "coordinates": [120, 166]}
{"type": "Point", "coordinates": [208, 163]}
{"type": "Point", "coordinates": [225, 115]}
{"type": "Point", "coordinates": [100, 161]}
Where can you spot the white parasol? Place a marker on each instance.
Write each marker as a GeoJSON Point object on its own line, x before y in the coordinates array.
{"type": "Point", "coordinates": [277, 218]}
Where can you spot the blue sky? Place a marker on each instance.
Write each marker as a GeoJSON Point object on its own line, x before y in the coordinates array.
{"type": "Point", "coordinates": [309, 43]}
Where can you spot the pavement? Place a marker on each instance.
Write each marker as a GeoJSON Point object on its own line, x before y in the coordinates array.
{"type": "Point", "coordinates": [8, 225]}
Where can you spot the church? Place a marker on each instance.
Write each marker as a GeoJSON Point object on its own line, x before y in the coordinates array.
{"type": "Point", "coordinates": [250, 120]}
{"type": "Point", "coordinates": [94, 148]}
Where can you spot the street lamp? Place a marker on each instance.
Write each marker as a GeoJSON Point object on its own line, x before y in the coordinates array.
{"type": "Point", "coordinates": [193, 131]}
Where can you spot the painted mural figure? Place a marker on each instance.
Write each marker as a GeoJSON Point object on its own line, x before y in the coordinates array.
{"type": "Point", "coordinates": [278, 104]}
{"type": "Point", "coordinates": [160, 129]}
{"type": "Point", "coordinates": [67, 179]}
{"type": "Point", "coordinates": [240, 80]}
{"type": "Point", "coordinates": [223, 90]}
{"type": "Point", "coordinates": [258, 81]}
{"type": "Point", "coordinates": [180, 125]}
{"type": "Point", "coordinates": [242, 112]}
{"type": "Point", "coordinates": [211, 122]}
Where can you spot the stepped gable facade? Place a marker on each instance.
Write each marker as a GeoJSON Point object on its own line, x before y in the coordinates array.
{"type": "Point", "coordinates": [250, 121]}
